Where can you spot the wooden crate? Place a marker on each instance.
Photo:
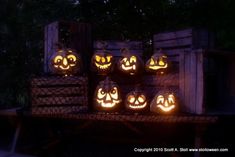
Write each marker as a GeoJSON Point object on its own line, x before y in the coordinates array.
{"type": "Point", "coordinates": [188, 48]}
{"type": "Point", "coordinates": [55, 95]}
{"type": "Point", "coordinates": [72, 35]}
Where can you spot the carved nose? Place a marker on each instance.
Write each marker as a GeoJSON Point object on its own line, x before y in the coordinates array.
{"type": "Point", "coordinates": [127, 63]}
{"type": "Point", "coordinates": [65, 61]}
{"type": "Point", "coordinates": [166, 104]}
{"type": "Point", "coordinates": [108, 97]}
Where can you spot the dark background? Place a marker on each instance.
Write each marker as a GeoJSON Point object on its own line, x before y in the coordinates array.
{"type": "Point", "coordinates": [21, 56]}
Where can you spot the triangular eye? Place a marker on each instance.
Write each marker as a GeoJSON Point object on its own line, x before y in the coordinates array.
{"type": "Point", "coordinates": [152, 61]}
{"type": "Point", "coordinates": [161, 62]}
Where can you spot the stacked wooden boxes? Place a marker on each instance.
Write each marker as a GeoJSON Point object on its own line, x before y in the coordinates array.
{"type": "Point", "coordinates": [185, 48]}
{"type": "Point", "coordinates": [60, 94]}
{"type": "Point", "coordinates": [55, 95]}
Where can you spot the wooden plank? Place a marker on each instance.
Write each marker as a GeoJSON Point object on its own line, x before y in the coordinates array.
{"type": "Point", "coordinates": [57, 91]}
{"type": "Point", "coordinates": [182, 77]}
{"type": "Point", "coordinates": [43, 81]}
{"type": "Point", "coordinates": [57, 110]}
{"type": "Point", "coordinates": [173, 35]}
{"type": "Point", "coordinates": [184, 42]}
{"type": "Point", "coordinates": [117, 53]}
{"type": "Point", "coordinates": [56, 100]}
{"type": "Point", "coordinates": [187, 102]}
{"type": "Point", "coordinates": [200, 82]}
{"type": "Point", "coordinates": [190, 82]}
{"type": "Point", "coordinates": [193, 81]}
{"type": "Point", "coordinates": [171, 51]}
{"type": "Point", "coordinates": [132, 45]}
{"type": "Point", "coordinates": [165, 80]}
{"type": "Point", "coordinates": [51, 37]}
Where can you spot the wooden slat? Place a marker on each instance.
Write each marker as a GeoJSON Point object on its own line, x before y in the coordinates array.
{"type": "Point", "coordinates": [57, 110]}
{"type": "Point", "coordinates": [173, 35]}
{"type": "Point", "coordinates": [200, 82]}
{"type": "Point", "coordinates": [51, 38]}
{"type": "Point", "coordinates": [137, 118]}
{"type": "Point", "coordinates": [171, 51]}
{"type": "Point", "coordinates": [190, 81]}
{"type": "Point", "coordinates": [117, 53]}
{"type": "Point", "coordinates": [57, 91]}
{"type": "Point", "coordinates": [58, 81]}
{"type": "Point", "coordinates": [164, 80]}
{"type": "Point", "coordinates": [184, 42]}
{"type": "Point", "coordinates": [53, 100]}
{"type": "Point", "coordinates": [132, 45]}
{"type": "Point", "coordinates": [182, 78]}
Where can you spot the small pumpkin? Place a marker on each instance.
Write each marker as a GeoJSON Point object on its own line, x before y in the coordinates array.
{"type": "Point", "coordinates": [107, 95]}
{"type": "Point", "coordinates": [130, 64]}
{"type": "Point", "coordinates": [136, 101]}
{"type": "Point", "coordinates": [164, 102]}
{"type": "Point", "coordinates": [157, 63]}
{"type": "Point", "coordinates": [102, 63]}
{"type": "Point", "coordinates": [65, 62]}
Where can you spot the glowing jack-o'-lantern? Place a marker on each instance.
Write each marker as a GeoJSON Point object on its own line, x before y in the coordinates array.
{"type": "Point", "coordinates": [102, 62]}
{"type": "Point", "coordinates": [157, 62]}
{"type": "Point", "coordinates": [107, 95]}
{"type": "Point", "coordinates": [129, 63]}
{"type": "Point", "coordinates": [164, 102]}
{"type": "Point", "coordinates": [65, 62]}
{"type": "Point", "coordinates": [136, 100]}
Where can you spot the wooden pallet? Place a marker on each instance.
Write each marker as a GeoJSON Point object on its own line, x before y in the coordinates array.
{"type": "Point", "coordinates": [54, 95]}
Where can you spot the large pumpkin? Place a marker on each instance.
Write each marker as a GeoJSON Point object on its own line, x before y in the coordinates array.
{"type": "Point", "coordinates": [129, 63]}
{"type": "Point", "coordinates": [164, 102]}
{"type": "Point", "coordinates": [136, 101]}
{"type": "Point", "coordinates": [102, 63]}
{"type": "Point", "coordinates": [65, 62]}
{"type": "Point", "coordinates": [107, 95]}
{"type": "Point", "coordinates": [157, 63]}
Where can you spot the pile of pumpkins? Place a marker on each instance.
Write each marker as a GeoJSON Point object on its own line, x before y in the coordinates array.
{"type": "Point", "coordinates": [107, 94]}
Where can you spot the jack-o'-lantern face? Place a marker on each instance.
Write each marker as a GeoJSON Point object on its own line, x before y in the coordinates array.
{"type": "Point", "coordinates": [102, 62]}
{"type": "Point", "coordinates": [163, 103]}
{"type": "Point", "coordinates": [65, 61]}
{"type": "Point", "coordinates": [130, 64]}
{"type": "Point", "coordinates": [156, 62]}
{"type": "Point", "coordinates": [136, 100]}
{"type": "Point", "coordinates": [107, 95]}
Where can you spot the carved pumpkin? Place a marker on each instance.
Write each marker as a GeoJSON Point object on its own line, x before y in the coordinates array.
{"type": "Point", "coordinates": [129, 63]}
{"type": "Point", "coordinates": [65, 62]}
{"type": "Point", "coordinates": [107, 95]}
{"type": "Point", "coordinates": [164, 102]}
{"type": "Point", "coordinates": [102, 63]}
{"type": "Point", "coordinates": [136, 100]}
{"type": "Point", "coordinates": [157, 63]}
